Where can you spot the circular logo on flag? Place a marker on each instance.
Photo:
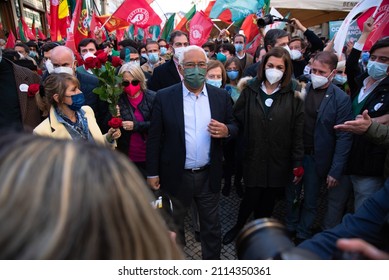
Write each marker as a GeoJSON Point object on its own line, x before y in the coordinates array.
{"type": "Point", "coordinates": [196, 32]}
{"type": "Point", "coordinates": [139, 16]}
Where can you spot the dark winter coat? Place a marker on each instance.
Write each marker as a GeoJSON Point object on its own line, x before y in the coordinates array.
{"type": "Point", "coordinates": [273, 144]}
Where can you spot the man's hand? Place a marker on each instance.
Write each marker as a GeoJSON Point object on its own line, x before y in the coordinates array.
{"type": "Point", "coordinates": [331, 182]}
{"type": "Point", "coordinates": [368, 26]}
{"type": "Point", "coordinates": [362, 247]}
{"type": "Point", "coordinates": [359, 126]}
{"type": "Point", "coordinates": [297, 24]}
{"type": "Point", "coordinates": [154, 183]}
{"type": "Point", "coordinates": [217, 129]}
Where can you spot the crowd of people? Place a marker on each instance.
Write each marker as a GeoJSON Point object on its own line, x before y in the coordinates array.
{"type": "Point", "coordinates": [284, 122]}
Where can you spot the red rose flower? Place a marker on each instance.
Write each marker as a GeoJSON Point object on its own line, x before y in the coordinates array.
{"type": "Point", "coordinates": [33, 89]}
{"type": "Point", "coordinates": [101, 56]}
{"type": "Point", "coordinates": [116, 61]}
{"type": "Point", "coordinates": [298, 171]}
{"type": "Point", "coordinates": [115, 122]}
{"type": "Point", "coordinates": [90, 62]}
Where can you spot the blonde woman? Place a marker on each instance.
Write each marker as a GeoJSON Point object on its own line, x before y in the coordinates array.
{"type": "Point", "coordinates": [136, 103]}
{"type": "Point", "coordinates": [68, 117]}
{"type": "Point", "coordinates": [75, 201]}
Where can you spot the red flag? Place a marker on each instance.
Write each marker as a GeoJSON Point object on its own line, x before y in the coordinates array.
{"type": "Point", "coordinates": [253, 45]}
{"type": "Point", "coordinates": [224, 16]}
{"type": "Point", "coordinates": [249, 27]}
{"type": "Point", "coordinates": [199, 29]}
{"type": "Point", "coordinates": [120, 34]}
{"type": "Point", "coordinates": [137, 12]}
{"type": "Point", "coordinates": [10, 41]}
{"type": "Point", "coordinates": [27, 32]}
{"type": "Point", "coordinates": [41, 35]}
{"type": "Point", "coordinates": [54, 19]}
{"type": "Point", "coordinates": [381, 25]}
{"type": "Point", "coordinates": [113, 23]}
{"type": "Point", "coordinates": [363, 17]}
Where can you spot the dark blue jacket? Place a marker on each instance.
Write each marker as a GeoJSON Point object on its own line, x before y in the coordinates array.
{"type": "Point", "coordinates": [366, 224]}
{"type": "Point", "coordinates": [166, 151]}
{"type": "Point", "coordinates": [332, 147]}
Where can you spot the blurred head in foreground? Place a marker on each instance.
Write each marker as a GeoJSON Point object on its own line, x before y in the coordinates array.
{"type": "Point", "coordinates": [67, 200]}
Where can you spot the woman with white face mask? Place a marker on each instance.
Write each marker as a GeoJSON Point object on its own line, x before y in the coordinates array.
{"type": "Point", "coordinates": [271, 118]}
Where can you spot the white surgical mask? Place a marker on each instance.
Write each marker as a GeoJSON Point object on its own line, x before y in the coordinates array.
{"type": "Point", "coordinates": [295, 54]}
{"type": "Point", "coordinates": [178, 52]}
{"type": "Point", "coordinates": [287, 48]}
{"type": "Point", "coordinates": [318, 81]}
{"type": "Point", "coordinates": [49, 66]}
{"type": "Point", "coordinates": [273, 75]}
{"type": "Point", "coordinates": [62, 69]}
{"type": "Point", "coordinates": [307, 70]}
{"type": "Point", "coordinates": [87, 55]}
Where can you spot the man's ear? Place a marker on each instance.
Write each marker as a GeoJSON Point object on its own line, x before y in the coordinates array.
{"type": "Point", "coordinates": [181, 69]}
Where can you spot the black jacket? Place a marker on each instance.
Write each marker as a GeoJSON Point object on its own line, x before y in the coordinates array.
{"type": "Point", "coordinates": [166, 150]}
{"type": "Point", "coordinates": [273, 143]}
{"type": "Point", "coordinates": [127, 114]}
{"type": "Point", "coordinates": [164, 76]}
{"type": "Point", "coordinates": [366, 158]}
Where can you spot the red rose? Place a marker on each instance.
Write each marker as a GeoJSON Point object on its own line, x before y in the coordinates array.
{"type": "Point", "coordinates": [115, 122]}
{"type": "Point", "coordinates": [90, 62]}
{"type": "Point", "coordinates": [116, 61]}
{"type": "Point", "coordinates": [298, 171]}
{"type": "Point", "coordinates": [33, 89]}
{"type": "Point", "coordinates": [101, 56]}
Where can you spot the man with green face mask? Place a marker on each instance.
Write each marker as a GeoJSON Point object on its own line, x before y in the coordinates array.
{"type": "Point", "coordinates": [189, 124]}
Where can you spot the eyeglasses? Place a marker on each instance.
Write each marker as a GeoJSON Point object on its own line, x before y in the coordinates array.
{"type": "Point", "coordinates": [193, 65]}
{"type": "Point", "coordinates": [133, 82]}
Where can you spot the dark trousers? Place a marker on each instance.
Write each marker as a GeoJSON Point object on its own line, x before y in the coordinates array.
{"type": "Point", "coordinates": [259, 200]}
{"type": "Point", "coordinates": [195, 186]}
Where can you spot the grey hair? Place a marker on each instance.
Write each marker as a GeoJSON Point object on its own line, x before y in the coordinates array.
{"type": "Point", "coordinates": [135, 71]}
{"type": "Point", "coordinates": [191, 48]}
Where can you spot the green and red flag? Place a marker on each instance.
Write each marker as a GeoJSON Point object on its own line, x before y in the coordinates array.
{"type": "Point", "coordinates": [249, 27]}
{"type": "Point", "coordinates": [20, 32]}
{"type": "Point", "coordinates": [183, 25]}
{"type": "Point", "coordinates": [168, 28]}
{"type": "Point", "coordinates": [225, 16]}
{"type": "Point", "coordinates": [80, 17]}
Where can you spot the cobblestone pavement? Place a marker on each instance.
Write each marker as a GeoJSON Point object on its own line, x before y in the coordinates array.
{"type": "Point", "coordinates": [228, 214]}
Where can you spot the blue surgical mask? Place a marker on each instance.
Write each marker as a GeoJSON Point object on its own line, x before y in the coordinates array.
{"type": "Point", "coordinates": [340, 79]}
{"type": "Point", "coordinates": [78, 100]}
{"type": "Point", "coordinates": [215, 83]}
{"type": "Point", "coordinates": [238, 47]}
{"type": "Point", "coordinates": [233, 74]}
{"type": "Point", "coordinates": [153, 58]}
{"type": "Point", "coordinates": [144, 55]}
{"type": "Point", "coordinates": [377, 70]}
{"type": "Point", "coordinates": [221, 57]}
{"type": "Point", "coordinates": [163, 50]}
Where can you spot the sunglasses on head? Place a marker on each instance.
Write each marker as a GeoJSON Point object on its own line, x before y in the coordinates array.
{"type": "Point", "coordinates": [133, 82]}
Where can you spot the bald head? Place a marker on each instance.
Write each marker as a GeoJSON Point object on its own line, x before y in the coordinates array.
{"type": "Point", "coordinates": [62, 56]}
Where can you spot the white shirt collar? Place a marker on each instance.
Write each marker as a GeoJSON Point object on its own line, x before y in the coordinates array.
{"type": "Point", "coordinates": [186, 91]}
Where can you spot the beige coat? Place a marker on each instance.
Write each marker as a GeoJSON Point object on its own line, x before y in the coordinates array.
{"type": "Point", "coordinates": [50, 127]}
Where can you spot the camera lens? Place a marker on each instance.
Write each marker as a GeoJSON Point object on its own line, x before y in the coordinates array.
{"type": "Point", "coordinates": [262, 239]}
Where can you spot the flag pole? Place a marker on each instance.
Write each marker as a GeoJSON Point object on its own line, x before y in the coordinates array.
{"type": "Point", "coordinates": [160, 9]}
{"type": "Point", "coordinates": [106, 22]}
{"type": "Point", "coordinates": [230, 25]}
{"type": "Point", "coordinates": [217, 27]}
